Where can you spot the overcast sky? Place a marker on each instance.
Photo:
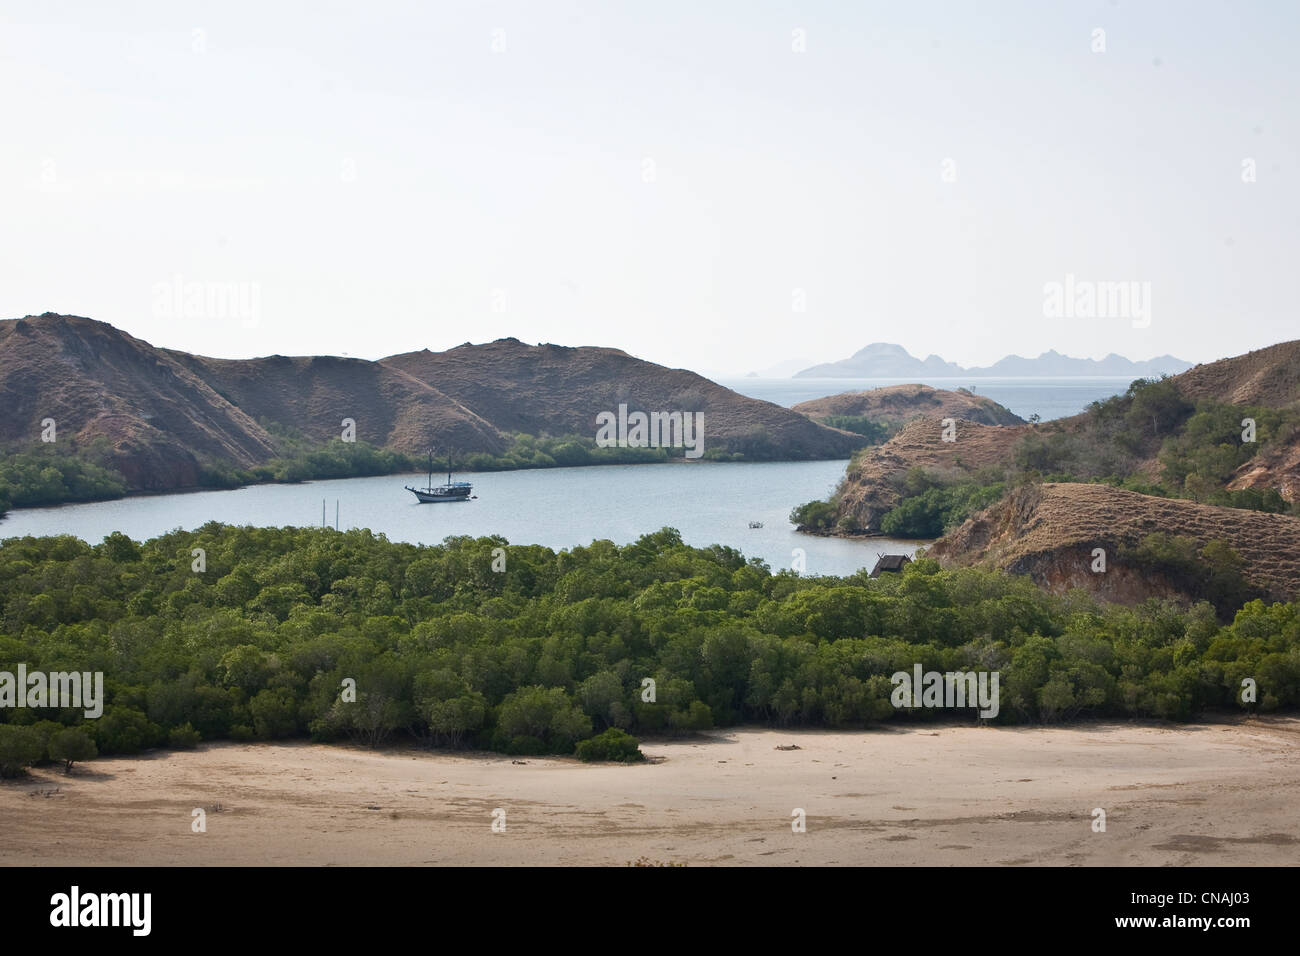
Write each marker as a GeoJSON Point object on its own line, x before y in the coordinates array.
{"type": "Point", "coordinates": [713, 185]}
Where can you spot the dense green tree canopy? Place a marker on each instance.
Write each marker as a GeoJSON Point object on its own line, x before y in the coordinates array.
{"type": "Point", "coordinates": [296, 632]}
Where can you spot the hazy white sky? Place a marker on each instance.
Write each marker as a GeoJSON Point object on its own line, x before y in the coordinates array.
{"type": "Point", "coordinates": [659, 177]}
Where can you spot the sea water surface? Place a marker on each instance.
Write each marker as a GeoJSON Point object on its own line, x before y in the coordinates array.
{"type": "Point", "coordinates": [1047, 397]}
{"type": "Point", "coordinates": [708, 502]}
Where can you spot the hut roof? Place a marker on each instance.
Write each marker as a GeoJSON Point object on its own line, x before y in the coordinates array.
{"type": "Point", "coordinates": [890, 562]}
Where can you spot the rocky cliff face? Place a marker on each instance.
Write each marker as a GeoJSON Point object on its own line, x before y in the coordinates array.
{"type": "Point", "coordinates": [1277, 468]}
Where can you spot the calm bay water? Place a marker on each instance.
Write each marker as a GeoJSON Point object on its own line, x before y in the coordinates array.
{"type": "Point", "coordinates": [709, 503]}
{"type": "Point", "coordinates": [1048, 397]}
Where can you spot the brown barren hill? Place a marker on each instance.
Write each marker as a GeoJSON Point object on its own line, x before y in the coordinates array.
{"type": "Point", "coordinates": [160, 419]}
{"type": "Point", "coordinates": [1049, 531]}
{"type": "Point", "coordinates": [1269, 376]}
{"type": "Point", "coordinates": [558, 390]}
{"type": "Point", "coordinates": [315, 393]}
{"type": "Point", "coordinates": [872, 485]}
{"type": "Point", "coordinates": [165, 414]}
{"type": "Point", "coordinates": [899, 404]}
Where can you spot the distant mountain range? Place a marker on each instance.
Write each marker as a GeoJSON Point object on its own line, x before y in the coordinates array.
{"type": "Point", "coordinates": [883, 360]}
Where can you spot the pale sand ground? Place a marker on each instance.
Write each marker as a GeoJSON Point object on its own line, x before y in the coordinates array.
{"type": "Point", "coordinates": [1218, 793]}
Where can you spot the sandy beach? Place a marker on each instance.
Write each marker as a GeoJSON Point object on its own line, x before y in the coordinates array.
{"type": "Point", "coordinates": [1211, 793]}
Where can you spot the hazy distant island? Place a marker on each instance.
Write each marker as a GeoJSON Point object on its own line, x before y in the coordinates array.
{"type": "Point", "coordinates": [882, 360]}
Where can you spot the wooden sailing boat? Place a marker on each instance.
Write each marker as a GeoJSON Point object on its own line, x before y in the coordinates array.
{"type": "Point", "coordinates": [451, 491]}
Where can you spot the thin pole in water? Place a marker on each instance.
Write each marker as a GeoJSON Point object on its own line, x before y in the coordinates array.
{"type": "Point", "coordinates": [336, 514]}
{"type": "Point", "coordinates": [322, 512]}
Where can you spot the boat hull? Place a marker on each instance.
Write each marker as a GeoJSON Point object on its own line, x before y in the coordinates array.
{"type": "Point", "coordinates": [426, 497]}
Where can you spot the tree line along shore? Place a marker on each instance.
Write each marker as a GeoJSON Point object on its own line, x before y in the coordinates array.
{"type": "Point", "coordinates": [541, 652]}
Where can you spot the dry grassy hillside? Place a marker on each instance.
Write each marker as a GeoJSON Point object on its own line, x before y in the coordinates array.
{"type": "Point", "coordinates": [1048, 532]}
{"type": "Point", "coordinates": [898, 404]}
{"type": "Point", "coordinates": [871, 486]}
{"type": "Point", "coordinates": [1268, 376]}
{"type": "Point", "coordinates": [315, 393]}
{"type": "Point", "coordinates": [559, 390]}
